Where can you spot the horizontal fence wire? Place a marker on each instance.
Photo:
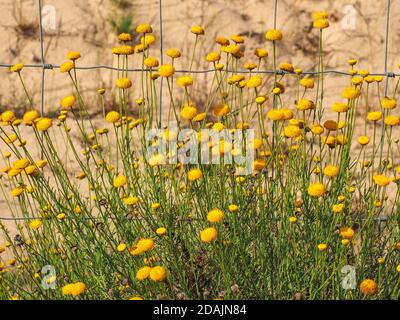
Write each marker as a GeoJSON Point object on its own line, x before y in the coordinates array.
{"type": "Point", "coordinates": [48, 66]}
{"type": "Point", "coordinates": [279, 72]}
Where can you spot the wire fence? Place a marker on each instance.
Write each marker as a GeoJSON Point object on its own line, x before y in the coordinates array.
{"type": "Point", "coordinates": [48, 66]}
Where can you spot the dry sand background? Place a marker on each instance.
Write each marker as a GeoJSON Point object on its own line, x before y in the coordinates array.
{"type": "Point", "coordinates": [84, 26]}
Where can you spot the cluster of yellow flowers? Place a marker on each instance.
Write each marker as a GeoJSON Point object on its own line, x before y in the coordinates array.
{"type": "Point", "coordinates": [118, 218]}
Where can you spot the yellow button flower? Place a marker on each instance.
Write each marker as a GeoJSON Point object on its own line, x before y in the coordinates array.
{"type": "Point", "coordinates": [143, 273]}
{"type": "Point", "coordinates": [43, 124]}
{"type": "Point", "coordinates": [123, 83]}
{"type": "Point", "coordinates": [316, 189]}
{"type": "Point", "coordinates": [208, 234]}
{"type": "Point", "coordinates": [197, 30]}
{"type": "Point", "coordinates": [381, 180]}
{"type": "Point", "coordinates": [68, 102]}
{"type": "Point", "coordinates": [215, 215]}
{"type": "Point", "coordinates": [112, 116]}
{"type": "Point", "coordinates": [166, 70]}
{"type": "Point", "coordinates": [144, 28]}
{"type": "Point", "coordinates": [158, 274]}
{"type": "Point", "coordinates": [368, 287]}
{"type": "Point", "coordinates": [273, 35]}
{"type": "Point", "coordinates": [66, 67]}
{"type": "Point", "coordinates": [17, 67]}
{"type": "Point", "coordinates": [120, 181]}
{"type": "Point", "coordinates": [194, 174]}
{"type": "Point", "coordinates": [161, 231]}
{"type": "Point", "coordinates": [73, 55]}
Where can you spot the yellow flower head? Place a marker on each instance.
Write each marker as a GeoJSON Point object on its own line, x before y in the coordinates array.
{"type": "Point", "coordinates": [215, 215]}
{"type": "Point", "coordinates": [260, 99]}
{"type": "Point", "coordinates": [286, 66]}
{"type": "Point", "coordinates": [374, 116]}
{"type": "Point", "coordinates": [166, 70]}
{"type": "Point", "coordinates": [17, 67]}
{"type": "Point", "coordinates": [184, 81]}
{"type": "Point", "coordinates": [43, 124]}
{"type": "Point", "coordinates": [340, 107]}
{"type": "Point", "coordinates": [388, 103]}
{"type": "Point", "coordinates": [123, 83]}
{"type": "Point", "coordinates": [143, 273]}
{"type": "Point", "coordinates": [222, 41]}
{"type": "Point", "coordinates": [331, 171]}
{"type": "Point", "coordinates": [320, 15]}
{"type": "Point", "coordinates": [188, 112]}
{"type": "Point", "coordinates": [66, 67]}
{"type": "Point", "coordinates": [143, 245]}
{"type": "Point", "coordinates": [392, 120]}
{"type": "Point", "coordinates": [254, 82]}
{"type": "Point", "coordinates": [307, 82]}
{"type": "Point", "coordinates": [131, 201]}
{"type": "Point", "coordinates": [30, 117]}
{"type": "Point", "coordinates": [35, 224]}
{"type": "Point", "coordinates": [8, 116]}
{"type": "Point", "coordinates": [233, 208]}
{"type": "Point", "coordinates": [305, 104]}
{"type": "Point", "coordinates": [208, 234]}
{"type": "Point", "coordinates": [259, 164]}
{"type": "Point", "coordinates": [221, 110]}
{"type": "Point", "coordinates": [125, 37]}
{"type": "Point", "coordinates": [173, 53]}
{"type": "Point", "coordinates": [381, 180]}
{"type": "Point", "coordinates": [292, 131]}
{"type": "Point", "coordinates": [151, 62]}
{"type": "Point", "coordinates": [368, 287]}
{"type": "Point", "coordinates": [275, 114]}
{"type": "Point", "coordinates": [321, 23]}
{"type": "Point", "coordinates": [261, 53]}
{"type": "Point", "coordinates": [73, 55]}
{"type": "Point", "coordinates": [197, 30]}
{"type": "Point", "coordinates": [292, 219]}
{"type": "Point", "coordinates": [144, 28]}
{"type": "Point", "coordinates": [161, 231]}
{"type": "Point", "coordinates": [73, 289]}
{"type": "Point", "coordinates": [194, 174]}
{"type": "Point", "coordinates": [273, 35]}
{"type": "Point", "coordinates": [338, 208]}
{"type": "Point", "coordinates": [237, 38]}
{"type": "Point", "coordinates": [351, 93]}
{"type": "Point", "coordinates": [41, 163]}
{"type": "Point", "coordinates": [316, 189]}
{"type": "Point", "coordinates": [232, 49]}
{"type": "Point", "coordinates": [112, 116]}
{"type": "Point", "coordinates": [67, 102]}
{"type": "Point", "coordinates": [347, 233]}
{"type": "Point", "coordinates": [16, 192]}
{"type": "Point", "coordinates": [363, 140]}
{"type": "Point", "coordinates": [120, 181]}
{"type": "Point", "coordinates": [147, 40]}
{"type": "Point", "coordinates": [21, 163]}
{"type": "Point", "coordinates": [121, 247]}
{"type": "Point", "coordinates": [158, 274]}
{"type": "Point", "coordinates": [213, 56]}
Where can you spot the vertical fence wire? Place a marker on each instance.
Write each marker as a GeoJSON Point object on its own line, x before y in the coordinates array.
{"type": "Point", "coordinates": [162, 61]}
{"type": "Point", "coordinates": [43, 66]}
{"type": "Point", "coordinates": [387, 44]}
{"type": "Point", "coordinates": [41, 56]}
